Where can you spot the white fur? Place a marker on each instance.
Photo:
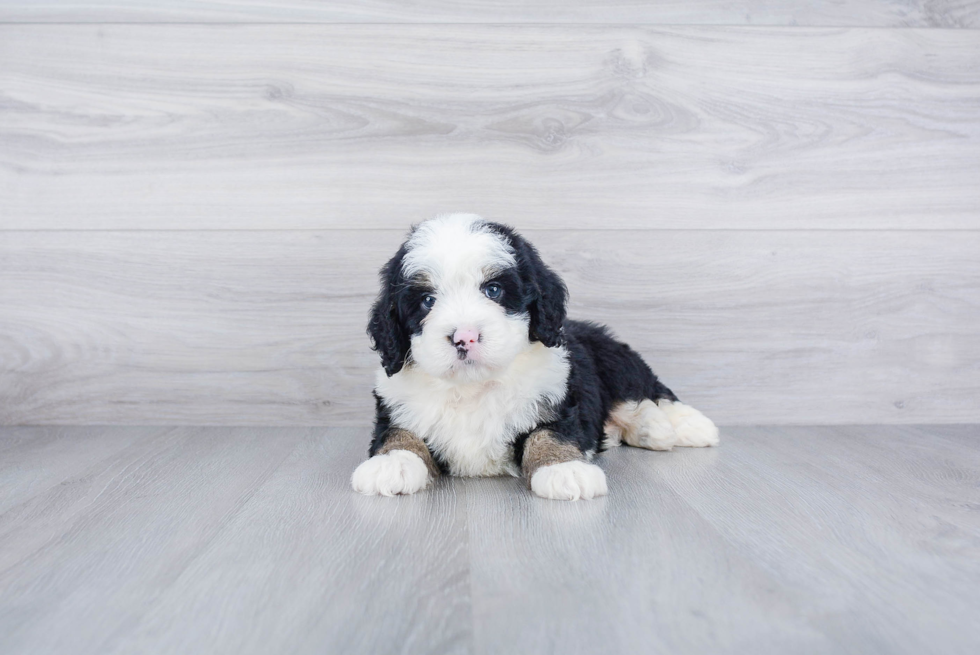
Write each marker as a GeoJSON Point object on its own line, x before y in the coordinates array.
{"type": "Point", "coordinates": [396, 472]}
{"type": "Point", "coordinates": [454, 246]}
{"type": "Point", "coordinates": [659, 426]}
{"type": "Point", "coordinates": [472, 425]}
{"type": "Point", "coordinates": [693, 428]}
{"type": "Point", "coordinates": [569, 481]}
{"type": "Point", "coordinates": [642, 424]}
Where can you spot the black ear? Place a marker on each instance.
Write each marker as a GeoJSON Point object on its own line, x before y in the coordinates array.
{"type": "Point", "coordinates": [547, 294]}
{"type": "Point", "coordinates": [388, 334]}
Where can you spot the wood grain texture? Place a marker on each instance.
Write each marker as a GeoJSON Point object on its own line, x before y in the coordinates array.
{"type": "Point", "coordinates": [339, 572]}
{"type": "Point", "coordinates": [637, 571]}
{"type": "Point", "coordinates": [852, 539]}
{"type": "Point", "coordinates": [126, 530]}
{"type": "Point", "coordinates": [816, 533]}
{"type": "Point", "coordinates": [368, 126]}
{"type": "Point", "coordinates": [873, 13]}
{"type": "Point", "coordinates": [267, 328]}
{"type": "Point", "coordinates": [858, 528]}
{"type": "Point", "coordinates": [35, 459]}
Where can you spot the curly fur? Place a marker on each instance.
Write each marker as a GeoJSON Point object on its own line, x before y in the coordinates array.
{"type": "Point", "coordinates": [474, 404]}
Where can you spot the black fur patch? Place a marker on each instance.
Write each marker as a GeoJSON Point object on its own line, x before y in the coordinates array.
{"type": "Point", "coordinates": [389, 326]}
{"type": "Point", "coordinates": [543, 294]}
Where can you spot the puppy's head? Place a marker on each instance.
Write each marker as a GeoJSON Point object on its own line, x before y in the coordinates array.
{"type": "Point", "coordinates": [462, 298]}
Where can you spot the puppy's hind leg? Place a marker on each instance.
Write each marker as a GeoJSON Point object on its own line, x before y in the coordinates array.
{"type": "Point", "coordinates": [640, 423]}
{"type": "Point", "coordinates": [647, 414]}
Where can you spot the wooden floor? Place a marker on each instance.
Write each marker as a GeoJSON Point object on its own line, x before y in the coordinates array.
{"type": "Point", "coordinates": [249, 540]}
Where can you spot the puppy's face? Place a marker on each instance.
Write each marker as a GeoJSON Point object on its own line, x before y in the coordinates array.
{"type": "Point", "coordinates": [466, 298]}
{"type": "Point", "coordinates": [462, 298]}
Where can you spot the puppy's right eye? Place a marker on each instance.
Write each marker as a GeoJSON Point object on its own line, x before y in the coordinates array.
{"type": "Point", "coordinates": [428, 301]}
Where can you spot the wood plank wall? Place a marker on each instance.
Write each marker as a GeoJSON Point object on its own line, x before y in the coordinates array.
{"type": "Point", "coordinates": [777, 203]}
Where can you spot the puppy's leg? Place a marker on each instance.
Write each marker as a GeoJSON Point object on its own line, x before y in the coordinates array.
{"type": "Point", "coordinates": [693, 428]}
{"type": "Point", "coordinates": [640, 423]}
{"type": "Point", "coordinates": [557, 469]}
{"type": "Point", "coordinates": [402, 464]}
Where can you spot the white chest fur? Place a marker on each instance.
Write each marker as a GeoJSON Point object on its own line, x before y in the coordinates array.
{"type": "Point", "coordinates": [472, 426]}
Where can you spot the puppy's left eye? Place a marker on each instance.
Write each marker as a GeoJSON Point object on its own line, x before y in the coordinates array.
{"type": "Point", "coordinates": [428, 301]}
{"type": "Point", "coordinates": [493, 291]}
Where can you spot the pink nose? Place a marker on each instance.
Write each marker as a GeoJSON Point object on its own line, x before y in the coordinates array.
{"type": "Point", "coordinates": [465, 337]}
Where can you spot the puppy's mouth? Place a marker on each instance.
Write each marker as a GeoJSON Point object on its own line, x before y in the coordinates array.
{"type": "Point", "coordinates": [466, 357]}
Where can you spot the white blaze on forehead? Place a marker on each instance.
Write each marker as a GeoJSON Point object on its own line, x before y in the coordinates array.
{"type": "Point", "coordinates": [455, 246]}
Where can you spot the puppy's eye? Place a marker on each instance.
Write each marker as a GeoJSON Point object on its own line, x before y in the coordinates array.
{"type": "Point", "coordinates": [493, 291]}
{"type": "Point", "coordinates": [428, 301]}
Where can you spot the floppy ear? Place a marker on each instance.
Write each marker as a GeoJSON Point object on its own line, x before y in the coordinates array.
{"type": "Point", "coordinates": [388, 335]}
{"type": "Point", "coordinates": [548, 295]}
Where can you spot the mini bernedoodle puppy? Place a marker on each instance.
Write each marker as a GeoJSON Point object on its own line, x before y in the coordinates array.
{"type": "Point", "coordinates": [482, 374]}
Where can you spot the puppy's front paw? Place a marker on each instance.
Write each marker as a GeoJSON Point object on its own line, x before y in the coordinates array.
{"type": "Point", "coordinates": [569, 481]}
{"type": "Point", "coordinates": [397, 472]}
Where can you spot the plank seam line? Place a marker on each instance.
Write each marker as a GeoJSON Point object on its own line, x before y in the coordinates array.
{"type": "Point", "coordinates": [875, 230]}
{"type": "Point", "coordinates": [624, 25]}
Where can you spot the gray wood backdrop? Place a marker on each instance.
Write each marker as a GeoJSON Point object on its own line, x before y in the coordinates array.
{"type": "Point", "coordinates": [777, 203]}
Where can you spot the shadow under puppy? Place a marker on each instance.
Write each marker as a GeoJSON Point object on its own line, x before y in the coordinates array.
{"type": "Point", "coordinates": [482, 374]}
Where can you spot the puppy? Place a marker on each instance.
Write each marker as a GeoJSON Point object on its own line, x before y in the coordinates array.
{"type": "Point", "coordinates": [482, 374]}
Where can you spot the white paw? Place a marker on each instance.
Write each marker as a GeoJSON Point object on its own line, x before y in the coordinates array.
{"type": "Point", "coordinates": [641, 424]}
{"type": "Point", "coordinates": [654, 428]}
{"type": "Point", "coordinates": [569, 481]}
{"type": "Point", "coordinates": [397, 472]}
{"type": "Point", "coordinates": [694, 429]}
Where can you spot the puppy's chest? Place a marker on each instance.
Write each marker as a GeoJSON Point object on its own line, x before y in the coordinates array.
{"type": "Point", "coordinates": [472, 432]}
{"type": "Point", "coordinates": [473, 428]}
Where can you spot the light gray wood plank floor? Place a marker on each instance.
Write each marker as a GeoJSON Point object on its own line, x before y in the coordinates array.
{"type": "Point", "coordinates": [248, 540]}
